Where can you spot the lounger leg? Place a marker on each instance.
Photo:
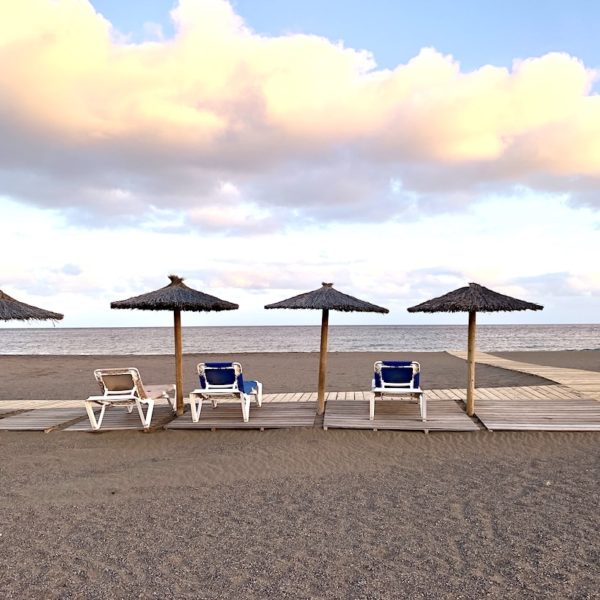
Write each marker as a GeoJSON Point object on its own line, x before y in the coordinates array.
{"type": "Point", "coordinates": [372, 407]}
{"type": "Point", "coordinates": [170, 400]}
{"type": "Point", "coordinates": [129, 408]}
{"type": "Point", "coordinates": [195, 407]}
{"type": "Point", "coordinates": [423, 407]}
{"type": "Point", "coordinates": [245, 398]}
{"type": "Point", "coordinates": [92, 417]}
{"type": "Point", "coordinates": [259, 393]}
{"type": "Point", "coordinates": [146, 420]}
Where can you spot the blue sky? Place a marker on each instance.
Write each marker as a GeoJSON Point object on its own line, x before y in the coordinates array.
{"type": "Point", "coordinates": [477, 32]}
{"type": "Point", "coordinates": [258, 148]}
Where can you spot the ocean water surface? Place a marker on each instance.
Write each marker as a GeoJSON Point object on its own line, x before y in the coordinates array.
{"type": "Point", "coordinates": [342, 338]}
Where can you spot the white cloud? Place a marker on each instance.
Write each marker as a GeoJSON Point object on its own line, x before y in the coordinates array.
{"type": "Point", "coordinates": [259, 166]}
{"type": "Point", "coordinates": [303, 128]}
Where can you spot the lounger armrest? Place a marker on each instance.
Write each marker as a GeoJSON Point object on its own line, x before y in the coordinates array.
{"type": "Point", "coordinates": [216, 392]}
{"type": "Point", "coordinates": [113, 398]}
{"type": "Point", "coordinates": [398, 390]}
{"type": "Point", "coordinates": [158, 390]}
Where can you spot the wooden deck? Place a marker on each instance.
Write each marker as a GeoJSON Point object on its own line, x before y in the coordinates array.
{"type": "Point", "coordinates": [11, 407]}
{"type": "Point", "coordinates": [271, 415]}
{"type": "Point", "coordinates": [42, 415]}
{"type": "Point", "coordinates": [520, 414]}
{"type": "Point", "coordinates": [443, 414]}
{"type": "Point", "coordinates": [544, 408]}
{"type": "Point", "coordinates": [116, 418]}
{"type": "Point", "coordinates": [571, 406]}
{"type": "Point", "coordinates": [586, 382]}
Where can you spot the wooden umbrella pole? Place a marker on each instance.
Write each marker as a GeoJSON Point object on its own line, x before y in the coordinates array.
{"type": "Point", "coordinates": [471, 365]}
{"type": "Point", "coordinates": [323, 360]}
{"type": "Point", "coordinates": [178, 362]}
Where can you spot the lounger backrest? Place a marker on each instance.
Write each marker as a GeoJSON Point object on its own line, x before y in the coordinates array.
{"type": "Point", "coordinates": [116, 381]}
{"type": "Point", "coordinates": [396, 373]}
{"type": "Point", "coordinates": [221, 375]}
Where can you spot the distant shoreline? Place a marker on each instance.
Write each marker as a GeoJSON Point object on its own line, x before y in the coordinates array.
{"type": "Point", "coordinates": [314, 325]}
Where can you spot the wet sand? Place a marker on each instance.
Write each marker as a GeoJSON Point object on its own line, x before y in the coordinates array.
{"type": "Point", "coordinates": [293, 513]}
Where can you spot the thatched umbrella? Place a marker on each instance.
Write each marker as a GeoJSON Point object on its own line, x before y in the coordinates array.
{"type": "Point", "coordinates": [326, 298]}
{"type": "Point", "coordinates": [176, 297]}
{"type": "Point", "coordinates": [473, 298]}
{"type": "Point", "coordinates": [13, 310]}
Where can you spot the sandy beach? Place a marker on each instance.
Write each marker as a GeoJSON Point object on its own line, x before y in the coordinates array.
{"type": "Point", "coordinates": [293, 513]}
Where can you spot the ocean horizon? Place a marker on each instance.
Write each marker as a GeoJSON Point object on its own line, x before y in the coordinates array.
{"type": "Point", "coordinates": [295, 338]}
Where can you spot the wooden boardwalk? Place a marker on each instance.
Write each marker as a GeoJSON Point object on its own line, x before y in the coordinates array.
{"type": "Point", "coordinates": [586, 382]}
{"type": "Point", "coordinates": [116, 418]}
{"type": "Point", "coordinates": [544, 407]}
{"type": "Point", "coordinates": [571, 406]}
{"type": "Point", "coordinates": [444, 413]}
{"type": "Point", "coordinates": [11, 407]}
{"type": "Point", "coordinates": [42, 415]}
{"type": "Point", "coordinates": [271, 415]}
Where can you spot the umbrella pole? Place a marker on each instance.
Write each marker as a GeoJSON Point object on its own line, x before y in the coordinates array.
{"type": "Point", "coordinates": [178, 362]}
{"type": "Point", "coordinates": [471, 364]}
{"type": "Point", "coordinates": [323, 360]}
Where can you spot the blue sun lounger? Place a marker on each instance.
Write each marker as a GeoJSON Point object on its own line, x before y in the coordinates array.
{"type": "Point", "coordinates": [397, 378]}
{"type": "Point", "coordinates": [222, 380]}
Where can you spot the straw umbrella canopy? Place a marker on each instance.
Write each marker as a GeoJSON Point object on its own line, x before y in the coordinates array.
{"type": "Point", "coordinates": [326, 298]}
{"type": "Point", "coordinates": [473, 298]}
{"type": "Point", "coordinates": [13, 310]}
{"type": "Point", "coordinates": [176, 297]}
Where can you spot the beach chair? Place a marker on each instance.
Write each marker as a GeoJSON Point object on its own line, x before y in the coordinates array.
{"type": "Point", "coordinates": [397, 378]}
{"type": "Point", "coordinates": [123, 387]}
{"type": "Point", "coordinates": [222, 380]}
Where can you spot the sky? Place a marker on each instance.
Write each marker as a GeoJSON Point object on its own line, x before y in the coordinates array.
{"type": "Point", "coordinates": [257, 148]}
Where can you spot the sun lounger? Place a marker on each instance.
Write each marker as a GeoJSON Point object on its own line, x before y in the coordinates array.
{"type": "Point", "coordinates": [397, 379]}
{"type": "Point", "coordinates": [123, 387]}
{"type": "Point", "coordinates": [222, 380]}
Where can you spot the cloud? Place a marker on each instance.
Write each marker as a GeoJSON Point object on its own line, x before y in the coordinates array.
{"type": "Point", "coordinates": [305, 129]}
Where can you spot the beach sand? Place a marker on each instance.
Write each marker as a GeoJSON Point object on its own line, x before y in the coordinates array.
{"type": "Point", "coordinates": [295, 513]}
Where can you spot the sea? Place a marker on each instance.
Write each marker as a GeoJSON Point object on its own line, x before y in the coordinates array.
{"type": "Point", "coordinates": [342, 338]}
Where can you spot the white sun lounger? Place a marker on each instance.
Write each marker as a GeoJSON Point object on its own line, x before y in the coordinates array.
{"type": "Point", "coordinates": [123, 387]}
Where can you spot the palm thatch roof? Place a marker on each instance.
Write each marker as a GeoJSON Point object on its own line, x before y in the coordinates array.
{"type": "Point", "coordinates": [175, 296]}
{"type": "Point", "coordinates": [13, 310]}
{"type": "Point", "coordinates": [474, 298]}
{"type": "Point", "coordinates": [327, 298]}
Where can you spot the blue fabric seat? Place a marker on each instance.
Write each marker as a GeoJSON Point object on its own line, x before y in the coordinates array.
{"type": "Point", "coordinates": [397, 378]}
{"type": "Point", "coordinates": [224, 379]}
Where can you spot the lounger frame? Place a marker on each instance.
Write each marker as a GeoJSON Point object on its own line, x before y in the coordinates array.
{"type": "Point", "coordinates": [398, 390]}
{"type": "Point", "coordinates": [130, 397]}
{"type": "Point", "coordinates": [215, 392]}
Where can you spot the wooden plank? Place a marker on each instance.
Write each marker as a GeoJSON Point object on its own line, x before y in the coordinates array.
{"type": "Point", "coordinates": [541, 414]}
{"type": "Point", "coordinates": [586, 382]}
{"type": "Point", "coordinates": [44, 419]}
{"type": "Point", "coordinates": [273, 415]}
{"type": "Point", "coordinates": [443, 415]}
{"type": "Point", "coordinates": [116, 418]}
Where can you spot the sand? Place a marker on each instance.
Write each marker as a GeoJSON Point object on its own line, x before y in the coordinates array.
{"type": "Point", "coordinates": [296, 514]}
